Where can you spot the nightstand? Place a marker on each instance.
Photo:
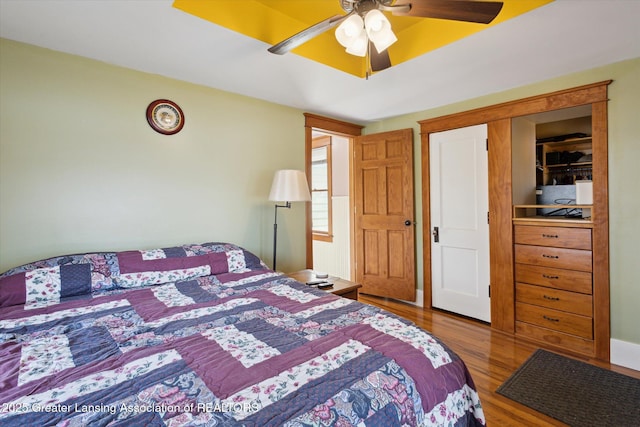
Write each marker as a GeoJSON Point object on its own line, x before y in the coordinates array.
{"type": "Point", "coordinates": [341, 287]}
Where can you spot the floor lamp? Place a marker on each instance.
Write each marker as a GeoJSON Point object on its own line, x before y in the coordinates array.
{"type": "Point", "coordinates": [288, 186]}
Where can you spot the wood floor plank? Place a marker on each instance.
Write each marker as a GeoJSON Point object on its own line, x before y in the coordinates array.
{"type": "Point", "coordinates": [491, 356]}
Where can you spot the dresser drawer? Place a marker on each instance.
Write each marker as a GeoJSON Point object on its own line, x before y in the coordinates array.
{"type": "Point", "coordinates": [569, 280]}
{"type": "Point", "coordinates": [552, 338]}
{"type": "Point", "coordinates": [571, 302]}
{"type": "Point", "coordinates": [571, 259]}
{"type": "Point", "coordinates": [559, 237]}
{"type": "Point", "coordinates": [574, 324]}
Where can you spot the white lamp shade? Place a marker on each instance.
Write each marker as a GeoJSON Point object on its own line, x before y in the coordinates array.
{"type": "Point", "coordinates": [379, 30]}
{"type": "Point", "coordinates": [350, 29]}
{"type": "Point", "coordinates": [290, 186]}
{"type": "Point", "coordinates": [359, 45]}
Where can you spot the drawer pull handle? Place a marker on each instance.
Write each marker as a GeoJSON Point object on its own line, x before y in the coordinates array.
{"type": "Point", "coordinates": [550, 236]}
{"type": "Point", "coordinates": [550, 256]}
{"type": "Point", "coordinates": [546, 276]}
{"type": "Point", "coordinates": [551, 298]}
{"type": "Point", "coordinates": [551, 319]}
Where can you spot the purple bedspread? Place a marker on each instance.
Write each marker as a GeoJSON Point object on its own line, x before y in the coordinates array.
{"type": "Point", "coordinates": [207, 335]}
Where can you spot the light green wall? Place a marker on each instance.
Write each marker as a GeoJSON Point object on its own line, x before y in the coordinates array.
{"type": "Point", "coordinates": [624, 158]}
{"type": "Point", "coordinates": [81, 170]}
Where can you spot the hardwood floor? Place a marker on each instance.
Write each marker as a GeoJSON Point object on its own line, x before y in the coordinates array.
{"type": "Point", "coordinates": [491, 357]}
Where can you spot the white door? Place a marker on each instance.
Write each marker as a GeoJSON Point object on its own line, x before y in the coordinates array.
{"type": "Point", "coordinates": [459, 221]}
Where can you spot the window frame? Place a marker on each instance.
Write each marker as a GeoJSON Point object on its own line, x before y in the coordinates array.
{"type": "Point", "coordinates": [318, 142]}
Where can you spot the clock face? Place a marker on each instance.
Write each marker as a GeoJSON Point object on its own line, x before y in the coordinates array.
{"type": "Point", "coordinates": [165, 117]}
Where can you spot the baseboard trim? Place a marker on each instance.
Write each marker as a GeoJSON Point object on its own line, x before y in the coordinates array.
{"type": "Point", "coordinates": [625, 354]}
{"type": "Point", "coordinates": [419, 302]}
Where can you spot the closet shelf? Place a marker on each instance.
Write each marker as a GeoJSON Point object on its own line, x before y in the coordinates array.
{"type": "Point", "coordinates": [529, 213]}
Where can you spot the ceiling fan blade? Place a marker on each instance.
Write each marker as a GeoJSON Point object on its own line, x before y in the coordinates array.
{"type": "Point", "coordinates": [307, 34]}
{"type": "Point", "coordinates": [482, 12]}
{"type": "Point", "coordinates": [379, 61]}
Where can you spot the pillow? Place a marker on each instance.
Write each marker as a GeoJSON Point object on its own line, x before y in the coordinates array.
{"type": "Point", "coordinates": [173, 264]}
{"type": "Point", "coordinates": [45, 282]}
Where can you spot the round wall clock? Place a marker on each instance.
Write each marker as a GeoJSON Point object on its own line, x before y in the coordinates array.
{"type": "Point", "coordinates": [165, 117]}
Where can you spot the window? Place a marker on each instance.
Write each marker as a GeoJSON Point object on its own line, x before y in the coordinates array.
{"type": "Point", "coordinates": [321, 188]}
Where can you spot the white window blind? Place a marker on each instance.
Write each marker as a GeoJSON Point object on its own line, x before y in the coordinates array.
{"type": "Point", "coordinates": [320, 189]}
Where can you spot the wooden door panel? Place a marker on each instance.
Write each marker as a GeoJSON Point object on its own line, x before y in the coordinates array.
{"type": "Point", "coordinates": [397, 254]}
{"type": "Point", "coordinates": [383, 171]}
{"type": "Point", "coordinates": [394, 149]}
{"type": "Point", "coordinates": [395, 193]}
{"type": "Point", "coordinates": [369, 195]}
{"type": "Point", "coordinates": [370, 259]}
{"type": "Point", "coordinates": [369, 152]}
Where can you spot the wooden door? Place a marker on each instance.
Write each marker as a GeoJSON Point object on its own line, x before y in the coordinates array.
{"type": "Point", "coordinates": [384, 214]}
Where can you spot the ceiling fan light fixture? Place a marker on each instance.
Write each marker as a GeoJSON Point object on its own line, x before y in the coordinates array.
{"type": "Point", "coordinates": [359, 45]}
{"type": "Point", "coordinates": [379, 30]}
{"type": "Point", "coordinates": [354, 33]}
{"type": "Point", "coordinates": [366, 31]}
{"type": "Point", "coordinates": [350, 30]}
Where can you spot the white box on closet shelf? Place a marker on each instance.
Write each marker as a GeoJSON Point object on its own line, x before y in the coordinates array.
{"type": "Point", "coordinates": [584, 195]}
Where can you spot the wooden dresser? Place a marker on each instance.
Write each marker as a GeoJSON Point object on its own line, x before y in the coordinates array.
{"type": "Point", "coordinates": [554, 285]}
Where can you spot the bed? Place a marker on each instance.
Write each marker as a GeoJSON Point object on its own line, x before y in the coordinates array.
{"type": "Point", "coordinates": [208, 335]}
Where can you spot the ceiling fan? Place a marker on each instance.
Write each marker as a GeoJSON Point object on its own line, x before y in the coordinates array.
{"type": "Point", "coordinates": [365, 31]}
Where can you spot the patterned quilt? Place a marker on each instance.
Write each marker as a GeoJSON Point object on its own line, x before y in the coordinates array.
{"type": "Point", "coordinates": [207, 335]}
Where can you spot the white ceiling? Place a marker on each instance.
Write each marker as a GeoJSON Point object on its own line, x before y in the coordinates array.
{"type": "Point", "coordinates": [562, 37]}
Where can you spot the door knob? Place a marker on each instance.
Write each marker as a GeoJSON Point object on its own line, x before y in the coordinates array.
{"type": "Point", "coordinates": [407, 222]}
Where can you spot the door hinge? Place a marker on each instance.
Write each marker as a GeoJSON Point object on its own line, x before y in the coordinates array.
{"type": "Point", "coordinates": [487, 139]}
{"type": "Point", "coordinates": [489, 291]}
{"type": "Point", "coordinates": [487, 217]}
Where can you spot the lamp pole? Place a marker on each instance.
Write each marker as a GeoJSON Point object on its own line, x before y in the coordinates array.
{"type": "Point", "coordinates": [275, 230]}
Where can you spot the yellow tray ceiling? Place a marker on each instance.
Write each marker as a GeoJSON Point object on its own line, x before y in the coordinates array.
{"type": "Point", "coordinates": [272, 21]}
